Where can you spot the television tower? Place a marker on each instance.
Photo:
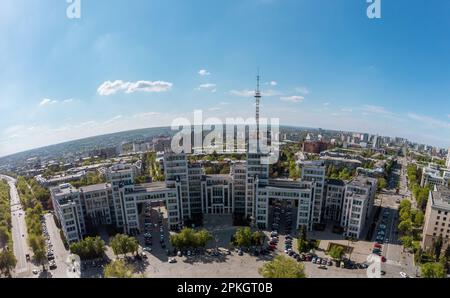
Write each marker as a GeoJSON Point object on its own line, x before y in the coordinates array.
{"type": "Point", "coordinates": [258, 100]}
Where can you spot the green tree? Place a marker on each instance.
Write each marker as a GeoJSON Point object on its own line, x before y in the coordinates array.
{"type": "Point", "coordinates": [282, 267]}
{"type": "Point", "coordinates": [119, 269]}
{"type": "Point", "coordinates": [381, 184]}
{"type": "Point", "coordinates": [433, 270]}
{"type": "Point", "coordinates": [243, 237]}
{"type": "Point", "coordinates": [417, 218]}
{"type": "Point", "coordinates": [258, 238]}
{"type": "Point", "coordinates": [5, 235]}
{"type": "Point", "coordinates": [407, 241]}
{"type": "Point", "coordinates": [336, 252]}
{"type": "Point", "coordinates": [437, 247]}
{"type": "Point", "coordinates": [203, 237]}
{"type": "Point", "coordinates": [7, 262]}
{"type": "Point", "coordinates": [40, 257]}
{"type": "Point", "coordinates": [302, 243]}
{"type": "Point", "coordinates": [405, 227]}
{"type": "Point", "coordinates": [123, 244]}
{"type": "Point", "coordinates": [89, 248]}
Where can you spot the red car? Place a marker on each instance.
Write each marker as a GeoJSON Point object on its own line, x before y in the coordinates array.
{"type": "Point", "coordinates": [377, 245]}
{"type": "Point", "coordinates": [383, 259]}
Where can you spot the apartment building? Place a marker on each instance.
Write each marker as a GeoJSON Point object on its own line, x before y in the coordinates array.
{"type": "Point", "coordinates": [358, 205]}
{"type": "Point", "coordinates": [334, 198]}
{"type": "Point", "coordinates": [299, 194]}
{"type": "Point", "coordinates": [68, 209]}
{"type": "Point", "coordinates": [437, 218]}
{"type": "Point", "coordinates": [314, 171]}
{"type": "Point", "coordinates": [217, 194]}
{"type": "Point", "coordinates": [432, 175]}
{"type": "Point", "coordinates": [176, 172]}
{"type": "Point", "coordinates": [239, 176]}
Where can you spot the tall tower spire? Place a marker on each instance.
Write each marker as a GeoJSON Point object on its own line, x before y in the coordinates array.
{"type": "Point", "coordinates": [258, 100]}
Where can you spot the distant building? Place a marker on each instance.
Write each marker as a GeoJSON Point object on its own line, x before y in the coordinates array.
{"type": "Point", "coordinates": [315, 146]}
{"type": "Point", "coordinates": [432, 175]}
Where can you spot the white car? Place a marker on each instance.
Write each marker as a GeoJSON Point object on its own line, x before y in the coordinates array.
{"type": "Point", "coordinates": [35, 271]}
{"type": "Point", "coordinates": [403, 274]}
{"type": "Point", "coordinates": [172, 260]}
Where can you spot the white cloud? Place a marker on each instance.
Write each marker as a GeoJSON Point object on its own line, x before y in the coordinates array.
{"type": "Point", "coordinates": [243, 93]}
{"type": "Point", "coordinates": [251, 93]}
{"type": "Point", "coordinates": [204, 72]}
{"type": "Point", "coordinates": [294, 98]}
{"type": "Point", "coordinates": [69, 100]}
{"type": "Point", "coordinates": [47, 101]}
{"type": "Point", "coordinates": [215, 109]}
{"type": "Point", "coordinates": [273, 83]}
{"type": "Point", "coordinates": [224, 103]}
{"type": "Point", "coordinates": [111, 88]}
{"type": "Point", "coordinates": [207, 87]}
{"type": "Point", "coordinates": [113, 119]}
{"type": "Point", "coordinates": [326, 104]}
{"type": "Point", "coordinates": [146, 115]}
{"type": "Point", "coordinates": [429, 121]}
{"type": "Point", "coordinates": [302, 89]}
{"type": "Point", "coordinates": [375, 110]}
{"type": "Point", "coordinates": [348, 110]}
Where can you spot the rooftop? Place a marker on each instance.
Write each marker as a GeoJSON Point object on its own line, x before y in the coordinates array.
{"type": "Point", "coordinates": [95, 187]}
{"type": "Point", "coordinates": [441, 197]}
{"type": "Point", "coordinates": [362, 181]}
{"type": "Point", "coordinates": [154, 186]}
{"type": "Point", "coordinates": [336, 182]}
{"type": "Point", "coordinates": [63, 189]}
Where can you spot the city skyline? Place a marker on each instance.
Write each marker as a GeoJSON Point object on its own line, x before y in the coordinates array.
{"type": "Point", "coordinates": [138, 65]}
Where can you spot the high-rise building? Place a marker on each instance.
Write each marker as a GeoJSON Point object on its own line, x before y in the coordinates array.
{"type": "Point", "coordinates": [314, 171]}
{"type": "Point", "coordinates": [447, 163]}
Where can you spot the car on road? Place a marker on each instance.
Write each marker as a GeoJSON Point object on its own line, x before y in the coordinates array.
{"type": "Point", "coordinates": [35, 271]}
{"type": "Point", "coordinates": [403, 275]}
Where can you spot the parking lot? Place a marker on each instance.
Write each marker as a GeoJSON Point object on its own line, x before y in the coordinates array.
{"type": "Point", "coordinates": [56, 252]}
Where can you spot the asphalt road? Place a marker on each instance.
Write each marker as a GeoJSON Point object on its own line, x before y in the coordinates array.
{"type": "Point", "coordinates": [19, 231]}
{"type": "Point", "coordinates": [397, 260]}
{"type": "Point", "coordinates": [60, 252]}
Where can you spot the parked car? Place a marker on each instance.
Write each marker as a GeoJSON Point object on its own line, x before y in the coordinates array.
{"type": "Point", "coordinates": [52, 265]}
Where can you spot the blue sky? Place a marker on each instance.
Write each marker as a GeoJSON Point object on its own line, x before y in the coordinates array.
{"type": "Point", "coordinates": [136, 64]}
